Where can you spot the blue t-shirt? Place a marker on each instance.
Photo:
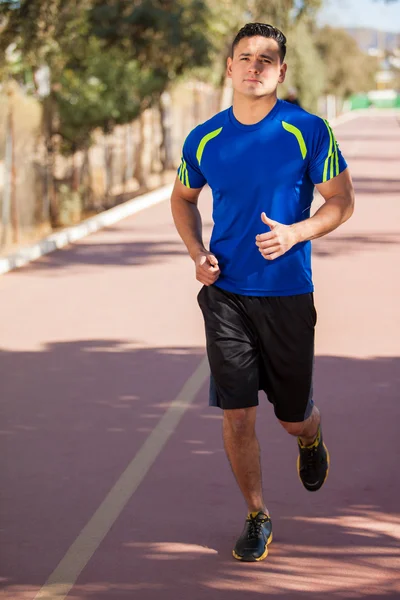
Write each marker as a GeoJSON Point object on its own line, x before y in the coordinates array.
{"type": "Point", "coordinates": [272, 167]}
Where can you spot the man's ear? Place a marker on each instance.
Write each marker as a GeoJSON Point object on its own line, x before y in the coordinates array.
{"type": "Point", "coordinates": [282, 73]}
{"type": "Point", "coordinates": [229, 67]}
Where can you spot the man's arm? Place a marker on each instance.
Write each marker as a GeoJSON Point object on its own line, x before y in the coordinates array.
{"type": "Point", "coordinates": [187, 217]}
{"type": "Point", "coordinates": [338, 194]}
{"type": "Point", "coordinates": [188, 223]}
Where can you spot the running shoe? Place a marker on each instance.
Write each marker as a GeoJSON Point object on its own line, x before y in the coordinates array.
{"type": "Point", "coordinates": [313, 463]}
{"type": "Point", "coordinates": [257, 534]}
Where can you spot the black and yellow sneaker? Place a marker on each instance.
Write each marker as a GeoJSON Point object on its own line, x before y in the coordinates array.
{"type": "Point", "coordinates": [313, 463]}
{"type": "Point", "coordinates": [257, 534]}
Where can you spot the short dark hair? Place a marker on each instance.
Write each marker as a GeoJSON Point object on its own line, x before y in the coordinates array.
{"type": "Point", "coordinates": [268, 31]}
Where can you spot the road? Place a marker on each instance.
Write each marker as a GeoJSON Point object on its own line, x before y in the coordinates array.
{"type": "Point", "coordinates": [114, 482]}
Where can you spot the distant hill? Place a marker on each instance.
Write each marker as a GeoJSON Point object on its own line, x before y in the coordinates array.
{"type": "Point", "coordinates": [372, 39]}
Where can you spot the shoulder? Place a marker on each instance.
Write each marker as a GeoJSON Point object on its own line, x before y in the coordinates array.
{"type": "Point", "coordinates": [210, 127]}
{"type": "Point", "coordinates": [309, 124]}
{"type": "Point", "coordinates": [313, 133]}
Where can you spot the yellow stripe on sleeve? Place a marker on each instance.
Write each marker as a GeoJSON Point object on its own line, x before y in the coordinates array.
{"type": "Point", "coordinates": [186, 175]}
{"type": "Point", "coordinates": [325, 175]}
{"type": "Point", "coordinates": [337, 159]}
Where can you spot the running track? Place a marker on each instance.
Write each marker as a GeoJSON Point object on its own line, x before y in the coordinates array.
{"type": "Point", "coordinates": [99, 339]}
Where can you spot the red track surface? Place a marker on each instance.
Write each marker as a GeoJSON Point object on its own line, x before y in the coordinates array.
{"type": "Point", "coordinates": [98, 339]}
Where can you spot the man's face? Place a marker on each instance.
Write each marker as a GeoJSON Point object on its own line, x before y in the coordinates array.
{"type": "Point", "coordinates": [256, 67]}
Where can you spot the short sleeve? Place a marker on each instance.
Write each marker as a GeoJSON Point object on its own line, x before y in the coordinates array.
{"type": "Point", "coordinates": [326, 161]}
{"type": "Point", "coordinates": [189, 171]}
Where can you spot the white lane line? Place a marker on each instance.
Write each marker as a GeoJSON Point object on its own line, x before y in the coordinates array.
{"type": "Point", "coordinates": [67, 572]}
{"type": "Point", "coordinates": [62, 238]}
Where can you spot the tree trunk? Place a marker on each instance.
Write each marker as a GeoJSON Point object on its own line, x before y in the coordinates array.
{"type": "Point", "coordinates": [123, 159]}
{"type": "Point", "coordinates": [222, 84]}
{"type": "Point", "coordinates": [164, 107]}
{"type": "Point", "coordinates": [143, 149]}
{"type": "Point", "coordinates": [129, 152]}
{"type": "Point", "coordinates": [86, 180]}
{"type": "Point", "coordinates": [6, 203]}
{"type": "Point", "coordinates": [50, 208]}
{"type": "Point", "coordinates": [74, 174]}
{"type": "Point", "coordinates": [13, 194]}
{"type": "Point", "coordinates": [196, 105]}
{"type": "Point", "coordinates": [225, 94]}
{"type": "Point", "coordinates": [139, 175]}
{"type": "Point", "coordinates": [108, 161]}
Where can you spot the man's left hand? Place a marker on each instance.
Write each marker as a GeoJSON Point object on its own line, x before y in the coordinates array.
{"type": "Point", "coordinates": [277, 241]}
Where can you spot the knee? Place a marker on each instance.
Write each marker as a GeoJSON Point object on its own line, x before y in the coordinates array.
{"type": "Point", "coordinates": [293, 428]}
{"type": "Point", "coordinates": [240, 421]}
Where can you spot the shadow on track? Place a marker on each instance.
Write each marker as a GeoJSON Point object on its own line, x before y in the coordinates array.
{"type": "Point", "coordinates": [126, 254]}
{"type": "Point", "coordinates": [369, 185]}
{"type": "Point", "coordinates": [333, 245]}
{"type": "Point", "coordinates": [76, 412]}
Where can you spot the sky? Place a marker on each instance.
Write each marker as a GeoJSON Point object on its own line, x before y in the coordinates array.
{"type": "Point", "coordinates": [361, 13]}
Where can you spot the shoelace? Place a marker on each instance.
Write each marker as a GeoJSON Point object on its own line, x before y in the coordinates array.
{"type": "Point", "coordinates": [309, 463]}
{"type": "Point", "coordinates": [255, 527]}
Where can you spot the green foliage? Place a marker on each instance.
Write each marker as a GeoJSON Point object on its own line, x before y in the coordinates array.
{"type": "Point", "coordinates": [348, 70]}
{"type": "Point", "coordinates": [108, 60]}
{"type": "Point", "coordinates": [43, 29]}
{"type": "Point", "coordinates": [284, 14]}
{"type": "Point", "coordinates": [167, 36]}
{"type": "Point", "coordinates": [305, 67]}
{"type": "Point", "coordinates": [228, 16]}
{"type": "Point", "coordinates": [103, 91]}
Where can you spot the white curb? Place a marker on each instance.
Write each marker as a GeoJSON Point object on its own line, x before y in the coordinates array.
{"type": "Point", "coordinates": [71, 234]}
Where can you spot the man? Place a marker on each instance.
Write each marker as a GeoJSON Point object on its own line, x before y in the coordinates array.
{"type": "Point", "coordinates": [261, 158]}
{"type": "Point", "coordinates": [292, 96]}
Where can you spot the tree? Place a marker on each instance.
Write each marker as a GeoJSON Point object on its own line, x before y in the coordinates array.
{"type": "Point", "coordinates": [145, 45]}
{"type": "Point", "coordinates": [46, 33]}
{"type": "Point", "coordinates": [104, 91]}
{"type": "Point", "coordinates": [167, 36]}
{"type": "Point", "coordinates": [230, 15]}
{"type": "Point", "coordinates": [107, 61]}
{"type": "Point", "coordinates": [348, 70]}
{"type": "Point", "coordinates": [306, 71]}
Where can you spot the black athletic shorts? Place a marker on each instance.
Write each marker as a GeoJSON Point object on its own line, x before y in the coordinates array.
{"type": "Point", "coordinates": [260, 343]}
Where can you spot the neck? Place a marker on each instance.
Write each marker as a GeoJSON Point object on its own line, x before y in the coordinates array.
{"type": "Point", "coordinates": [249, 111]}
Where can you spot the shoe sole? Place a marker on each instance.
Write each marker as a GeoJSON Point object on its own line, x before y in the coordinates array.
{"type": "Point", "coordinates": [264, 555]}
{"type": "Point", "coordinates": [326, 474]}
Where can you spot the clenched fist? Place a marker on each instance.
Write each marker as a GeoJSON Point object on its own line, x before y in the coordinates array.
{"type": "Point", "coordinates": [207, 269]}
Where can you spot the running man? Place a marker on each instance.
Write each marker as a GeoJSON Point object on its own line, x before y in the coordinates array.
{"type": "Point", "coordinates": [261, 158]}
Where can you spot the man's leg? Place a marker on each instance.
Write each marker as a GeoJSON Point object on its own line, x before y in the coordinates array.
{"type": "Point", "coordinates": [306, 430]}
{"type": "Point", "coordinates": [286, 331]}
{"type": "Point", "coordinates": [313, 460]}
{"type": "Point", "coordinates": [243, 452]}
{"type": "Point", "coordinates": [233, 355]}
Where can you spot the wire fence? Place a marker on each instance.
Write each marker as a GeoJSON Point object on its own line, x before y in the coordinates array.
{"type": "Point", "coordinates": [42, 190]}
